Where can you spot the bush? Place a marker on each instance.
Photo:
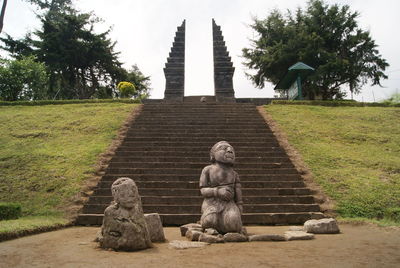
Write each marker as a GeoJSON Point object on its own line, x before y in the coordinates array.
{"type": "Point", "coordinates": [126, 89]}
{"type": "Point", "coordinates": [10, 211]}
{"type": "Point", "coordinates": [75, 101]}
{"type": "Point", "coordinates": [393, 214]}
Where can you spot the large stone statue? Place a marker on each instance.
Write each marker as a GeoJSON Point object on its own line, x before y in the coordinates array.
{"type": "Point", "coordinates": [220, 186]}
{"type": "Point", "coordinates": [124, 225]}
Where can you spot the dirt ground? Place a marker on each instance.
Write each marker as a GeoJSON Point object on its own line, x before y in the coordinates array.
{"type": "Point", "coordinates": [356, 246]}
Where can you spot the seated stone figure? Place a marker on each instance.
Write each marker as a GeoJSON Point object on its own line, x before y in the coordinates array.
{"type": "Point", "coordinates": [220, 186]}
{"type": "Point", "coordinates": [124, 225]}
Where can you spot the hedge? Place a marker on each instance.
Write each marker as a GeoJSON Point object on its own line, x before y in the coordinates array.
{"type": "Point", "coordinates": [57, 102]}
{"type": "Point", "coordinates": [10, 211]}
{"type": "Point", "coordinates": [334, 103]}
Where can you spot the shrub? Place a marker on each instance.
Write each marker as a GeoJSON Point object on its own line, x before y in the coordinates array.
{"type": "Point", "coordinates": [126, 89]}
{"type": "Point", "coordinates": [393, 214]}
{"type": "Point", "coordinates": [10, 211]}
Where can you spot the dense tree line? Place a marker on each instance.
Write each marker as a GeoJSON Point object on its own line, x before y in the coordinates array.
{"type": "Point", "coordinates": [79, 63]}
{"type": "Point", "coordinates": [325, 37]}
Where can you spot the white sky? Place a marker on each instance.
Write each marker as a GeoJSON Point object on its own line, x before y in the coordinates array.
{"type": "Point", "coordinates": [144, 31]}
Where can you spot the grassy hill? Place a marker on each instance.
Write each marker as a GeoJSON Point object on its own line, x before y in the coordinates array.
{"type": "Point", "coordinates": [47, 153]}
{"type": "Point", "coordinates": [353, 152]}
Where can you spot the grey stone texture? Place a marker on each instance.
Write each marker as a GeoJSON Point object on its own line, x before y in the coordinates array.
{"type": "Point", "coordinates": [124, 226]}
{"type": "Point", "coordinates": [266, 237]}
{"type": "Point", "coordinates": [179, 244]}
{"type": "Point", "coordinates": [186, 227]}
{"type": "Point", "coordinates": [211, 238]}
{"type": "Point", "coordinates": [235, 237]}
{"type": "Point", "coordinates": [223, 69]}
{"type": "Point", "coordinates": [193, 235]}
{"type": "Point", "coordinates": [298, 235]}
{"type": "Point", "coordinates": [220, 186]}
{"type": "Point", "coordinates": [154, 225]}
{"type": "Point", "coordinates": [322, 226]}
{"type": "Point", "coordinates": [174, 70]}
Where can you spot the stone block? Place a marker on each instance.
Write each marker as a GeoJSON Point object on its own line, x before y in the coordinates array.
{"type": "Point", "coordinates": [298, 235]}
{"type": "Point", "coordinates": [267, 237]}
{"type": "Point", "coordinates": [322, 226]}
{"type": "Point", "coordinates": [235, 237]}
{"type": "Point", "coordinates": [211, 238]}
{"type": "Point", "coordinates": [193, 235]}
{"type": "Point", "coordinates": [186, 227]}
{"type": "Point", "coordinates": [154, 225]}
{"type": "Point", "coordinates": [178, 244]}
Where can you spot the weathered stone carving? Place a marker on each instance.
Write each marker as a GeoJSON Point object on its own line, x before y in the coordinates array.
{"type": "Point", "coordinates": [221, 189]}
{"type": "Point", "coordinates": [124, 226]}
{"type": "Point", "coordinates": [154, 225]}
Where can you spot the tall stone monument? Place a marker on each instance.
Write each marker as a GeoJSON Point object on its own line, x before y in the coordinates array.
{"type": "Point", "coordinates": [175, 68]}
{"type": "Point", "coordinates": [223, 67]}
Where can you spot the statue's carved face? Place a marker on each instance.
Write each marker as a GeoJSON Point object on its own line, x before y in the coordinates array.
{"type": "Point", "coordinates": [124, 192]}
{"type": "Point", "coordinates": [223, 152]}
{"type": "Point", "coordinates": [125, 197]}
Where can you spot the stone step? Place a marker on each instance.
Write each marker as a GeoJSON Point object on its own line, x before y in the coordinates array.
{"type": "Point", "coordinates": [248, 218]}
{"type": "Point", "coordinates": [189, 209]}
{"type": "Point", "coordinates": [196, 192]}
{"type": "Point", "coordinates": [197, 144]}
{"type": "Point", "coordinates": [195, 184]}
{"type": "Point", "coordinates": [197, 200]}
{"type": "Point", "coordinates": [198, 139]}
{"type": "Point", "coordinates": [200, 159]}
{"type": "Point", "coordinates": [196, 166]}
{"type": "Point", "coordinates": [276, 152]}
{"type": "Point", "coordinates": [206, 148]}
{"type": "Point", "coordinates": [152, 135]}
{"type": "Point", "coordinates": [156, 132]}
{"type": "Point", "coordinates": [195, 177]}
{"type": "Point", "coordinates": [189, 171]}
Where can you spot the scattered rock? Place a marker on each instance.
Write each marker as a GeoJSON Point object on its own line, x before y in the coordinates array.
{"type": "Point", "coordinates": [235, 237]}
{"type": "Point", "coordinates": [154, 225]}
{"type": "Point", "coordinates": [298, 235]}
{"type": "Point", "coordinates": [178, 244]}
{"type": "Point", "coordinates": [211, 231]}
{"type": "Point", "coordinates": [211, 238]}
{"type": "Point", "coordinates": [193, 235]}
{"type": "Point", "coordinates": [296, 228]}
{"type": "Point", "coordinates": [186, 227]}
{"type": "Point", "coordinates": [267, 237]}
{"type": "Point", "coordinates": [244, 231]}
{"type": "Point", "coordinates": [322, 226]}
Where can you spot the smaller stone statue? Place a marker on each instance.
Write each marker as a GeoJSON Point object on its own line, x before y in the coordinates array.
{"type": "Point", "coordinates": [124, 225]}
{"type": "Point", "coordinates": [220, 186]}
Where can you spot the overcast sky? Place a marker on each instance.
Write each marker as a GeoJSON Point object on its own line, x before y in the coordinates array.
{"type": "Point", "coordinates": [144, 31]}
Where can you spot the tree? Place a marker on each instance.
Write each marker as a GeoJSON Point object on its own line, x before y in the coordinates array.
{"type": "Point", "coordinates": [23, 79]}
{"type": "Point", "coordinates": [140, 81]}
{"type": "Point", "coordinates": [2, 14]}
{"type": "Point", "coordinates": [79, 61]}
{"type": "Point", "coordinates": [325, 37]}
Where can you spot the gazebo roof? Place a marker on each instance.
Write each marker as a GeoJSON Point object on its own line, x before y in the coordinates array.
{"type": "Point", "coordinates": [299, 68]}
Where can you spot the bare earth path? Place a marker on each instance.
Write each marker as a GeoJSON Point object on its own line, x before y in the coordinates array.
{"type": "Point", "coordinates": [356, 246]}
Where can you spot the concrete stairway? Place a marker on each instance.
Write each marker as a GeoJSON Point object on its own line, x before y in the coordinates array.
{"type": "Point", "coordinates": [167, 147]}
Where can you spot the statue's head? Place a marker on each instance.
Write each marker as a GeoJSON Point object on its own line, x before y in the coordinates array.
{"type": "Point", "coordinates": [125, 192]}
{"type": "Point", "coordinates": [222, 152]}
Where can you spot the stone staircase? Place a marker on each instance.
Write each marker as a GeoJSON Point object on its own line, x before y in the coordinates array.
{"type": "Point", "coordinates": [167, 147]}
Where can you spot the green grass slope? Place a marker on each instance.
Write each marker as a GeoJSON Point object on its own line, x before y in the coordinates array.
{"type": "Point", "coordinates": [47, 152]}
{"type": "Point", "coordinates": [353, 152]}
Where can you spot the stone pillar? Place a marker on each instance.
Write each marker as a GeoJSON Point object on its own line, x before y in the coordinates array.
{"type": "Point", "coordinates": [223, 69]}
{"type": "Point", "coordinates": [175, 68]}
